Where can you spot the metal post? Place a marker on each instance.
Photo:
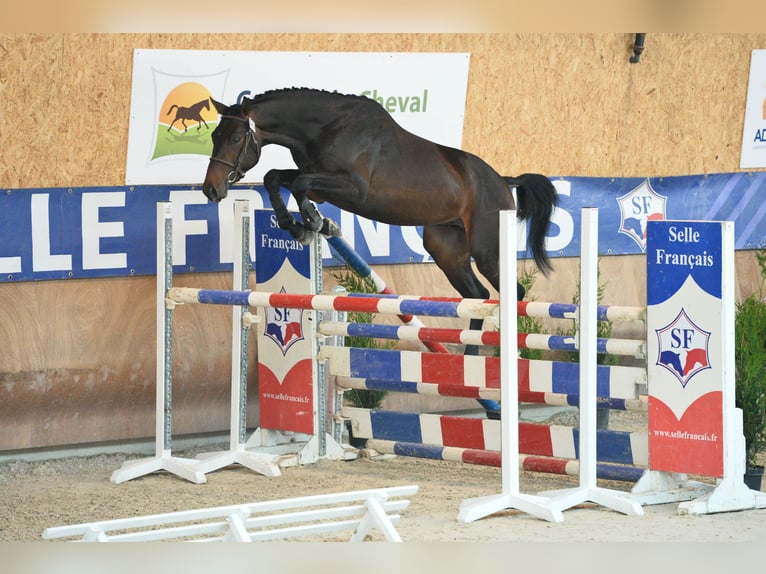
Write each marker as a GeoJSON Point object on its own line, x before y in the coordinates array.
{"type": "Point", "coordinates": [263, 463]}
{"type": "Point", "coordinates": [163, 459]}
{"type": "Point", "coordinates": [473, 509]}
{"type": "Point", "coordinates": [587, 328]}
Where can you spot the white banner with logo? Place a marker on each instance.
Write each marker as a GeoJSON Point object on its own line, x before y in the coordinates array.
{"type": "Point", "coordinates": [754, 132]}
{"type": "Point", "coordinates": [171, 117]}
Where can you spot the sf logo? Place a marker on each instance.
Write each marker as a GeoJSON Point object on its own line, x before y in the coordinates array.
{"type": "Point", "coordinates": [683, 348]}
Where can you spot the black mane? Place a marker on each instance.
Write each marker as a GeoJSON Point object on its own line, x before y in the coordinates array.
{"type": "Point", "coordinates": [304, 90]}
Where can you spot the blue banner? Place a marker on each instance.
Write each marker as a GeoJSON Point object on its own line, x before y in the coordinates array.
{"type": "Point", "coordinates": [58, 233]}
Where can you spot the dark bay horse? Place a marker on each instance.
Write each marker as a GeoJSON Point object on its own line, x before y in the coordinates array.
{"type": "Point", "coordinates": [350, 152]}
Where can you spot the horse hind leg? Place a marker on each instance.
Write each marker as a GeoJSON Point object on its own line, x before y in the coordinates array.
{"type": "Point", "coordinates": [448, 245]}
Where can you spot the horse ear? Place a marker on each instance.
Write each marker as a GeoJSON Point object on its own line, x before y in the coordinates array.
{"type": "Point", "coordinates": [247, 106]}
{"type": "Point", "coordinates": [220, 108]}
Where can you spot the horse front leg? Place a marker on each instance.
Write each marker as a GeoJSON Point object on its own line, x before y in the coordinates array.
{"type": "Point", "coordinates": [312, 219]}
{"type": "Point", "coordinates": [336, 188]}
{"type": "Point", "coordinates": [272, 181]}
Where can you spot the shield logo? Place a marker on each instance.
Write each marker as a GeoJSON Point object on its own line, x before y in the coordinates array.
{"type": "Point", "coordinates": [683, 348]}
{"type": "Point", "coordinates": [637, 207]}
{"type": "Point", "coordinates": [284, 326]}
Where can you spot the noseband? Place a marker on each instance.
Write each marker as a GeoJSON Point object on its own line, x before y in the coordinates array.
{"type": "Point", "coordinates": [236, 172]}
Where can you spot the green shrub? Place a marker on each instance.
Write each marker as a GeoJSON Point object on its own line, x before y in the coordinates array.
{"type": "Point", "coordinates": [351, 282]}
{"type": "Point", "coordinates": [603, 328]}
{"type": "Point", "coordinates": [750, 364]}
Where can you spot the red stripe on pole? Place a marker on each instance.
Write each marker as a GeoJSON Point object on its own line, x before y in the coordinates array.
{"type": "Point", "coordinates": [437, 368]}
{"type": "Point", "coordinates": [356, 304]}
{"type": "Point", "coordinates": [453, 390]}
{"type": "Point", "coordinates": [535, 439]}
{"type": "Point", "coordinates": [492, 371]}
{"type": "Point", "coordinates": [292, 300]}
{"type": "Point", "coordinates": [491, 338]}
{"type": "Point", "coordinates": [443, 335]}
{"type": "Point", "coordinates": [549, 465]}
{"type": "Point", "coordinates": [526, 395]}
{"type": "Point", "coordinates": [521, 340]}
{"type": "Point", "coordinates": [462, 432]}
{"type": "Point", "coordinates": [483, 457]}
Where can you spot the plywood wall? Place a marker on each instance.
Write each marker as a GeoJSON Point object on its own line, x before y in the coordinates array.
{"type": "Point", "coordinates": [561, 104]}
{"type": "Point", "coordinates": [77, 362]}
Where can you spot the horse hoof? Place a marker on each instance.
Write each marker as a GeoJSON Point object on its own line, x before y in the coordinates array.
{"type": "Point", "coordinates": [312, 225]}
{"type": "Point", "coordinates": [330, 228]}
{"type": "Point", "coordinates": [306, 237]}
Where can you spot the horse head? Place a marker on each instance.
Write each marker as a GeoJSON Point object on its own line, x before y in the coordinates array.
{"type": "Point", "coordinates": [236, 149]}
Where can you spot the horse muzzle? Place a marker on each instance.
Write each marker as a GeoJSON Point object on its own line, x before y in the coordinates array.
{"type": "Point", "coordinates": [215, 194]}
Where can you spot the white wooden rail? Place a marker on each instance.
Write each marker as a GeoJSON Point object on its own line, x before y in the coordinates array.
{"type": "Point", "coordinates": [359, 511]}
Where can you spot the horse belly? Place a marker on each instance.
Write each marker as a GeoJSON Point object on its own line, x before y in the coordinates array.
{"type": "Point", "coordinates": [406, 210]}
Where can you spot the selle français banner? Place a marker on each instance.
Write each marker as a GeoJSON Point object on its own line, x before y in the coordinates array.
{"type": "Point", "coordinates": [60, 233]}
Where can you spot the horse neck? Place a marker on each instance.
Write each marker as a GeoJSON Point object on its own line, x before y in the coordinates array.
{"type": "Point", "coordinates": [285, 121]}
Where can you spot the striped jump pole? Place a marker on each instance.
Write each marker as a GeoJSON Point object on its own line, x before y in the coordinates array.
{"type": "Point", "coordinates": [527, 462]}
{"type": "Point", "coordinates": [612, 346]}
{"type": "Point", "coordinates": [426, 306]}
{"type": "Point", "coordinates": [363, 270]}
{"type": "Point", "coordinates": [373, 383]}
{"type": "Point", "coordinates": [611, 313]}
{"type": "Point", "coordinates": [557, 441]}
{"type": "Point", "coordinates": [476, 376]}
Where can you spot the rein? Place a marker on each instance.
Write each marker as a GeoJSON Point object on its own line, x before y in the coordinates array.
{"type": "Point", "coordinates": [236, 172]}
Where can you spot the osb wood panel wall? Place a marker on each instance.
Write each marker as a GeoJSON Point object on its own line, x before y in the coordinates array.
{"type": "Point", "coordinates": [78, 356]}
{"type": "Point", "coordinates": [561, 104]}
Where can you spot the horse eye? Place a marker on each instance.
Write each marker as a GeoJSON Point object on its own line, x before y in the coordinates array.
{"type": "Point", "coordinates": [235, 138]}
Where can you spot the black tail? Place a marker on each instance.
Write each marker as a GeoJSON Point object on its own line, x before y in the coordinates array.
{"type": "Point", "coordinates": [537, 198]}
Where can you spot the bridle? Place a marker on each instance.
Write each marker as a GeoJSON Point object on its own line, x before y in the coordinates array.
{"type": "Point", "coordinates": [236, 172]}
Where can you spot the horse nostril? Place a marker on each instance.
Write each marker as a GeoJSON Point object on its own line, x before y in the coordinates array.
{"type": "Point", "coordinates": [210, 192]}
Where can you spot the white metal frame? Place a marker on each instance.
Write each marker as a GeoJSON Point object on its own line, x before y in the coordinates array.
{"type": "Point", "coordinates": [242, 319]}
{"type": "Point", "coordinates": [360, 511]}
{"type": "Point", "coordinates": [588, 490]}
{"type": "Point", "coordinates": [163, 458]}
{"type": "Point", "coordinates": [511, 497]}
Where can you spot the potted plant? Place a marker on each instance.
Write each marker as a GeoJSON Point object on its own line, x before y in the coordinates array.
{"type": "Point", "coordinates": [362, 398]}
{"type": "Point", "coordinates": [750, 372]}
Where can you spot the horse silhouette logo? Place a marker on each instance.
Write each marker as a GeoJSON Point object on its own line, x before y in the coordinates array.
{"type": "Point", "coordinates": [638, 207]}
{"type": "Point", "coordinates": [683, 348]}
{"type": "Point", "coordinates": [284, 326]}
{"type": "Point", "coordinates": [185, 107]}
{"type": "Point", "coordinates": [192, 113]}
